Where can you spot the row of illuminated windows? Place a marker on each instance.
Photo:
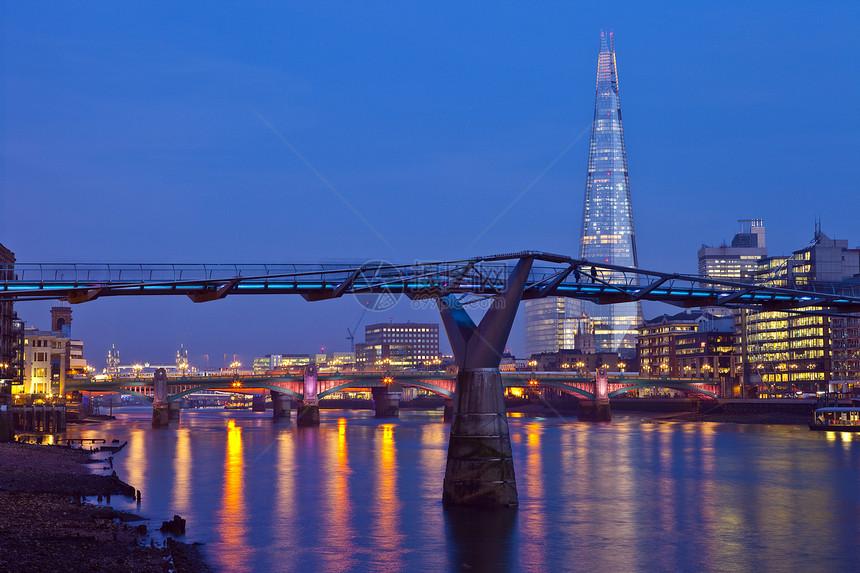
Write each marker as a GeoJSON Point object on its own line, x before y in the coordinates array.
{"type": "Point", "coordinates": [768, 356]}
{"type": "Point", "coordinates": [782, 316]}
{"type": "Point", "coordinates": [784, 343]}
{"type": "Point", "coordinates": [787, 331]}
{"type": "Point", "coordinates": [698, 350]}
{"type": "Point", "coordinates": [779, 346]}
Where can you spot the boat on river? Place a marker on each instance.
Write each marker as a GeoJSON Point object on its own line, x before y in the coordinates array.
{"type": "Point", "coordinates": [836, 419]}
{"type": "Point", "coordinates": [235, 403]}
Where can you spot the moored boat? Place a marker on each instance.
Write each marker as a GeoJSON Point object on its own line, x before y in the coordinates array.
{"type": "Point", "coordinates": [236, 403]}
{"type": "Point", "coordinates": [836, 419]}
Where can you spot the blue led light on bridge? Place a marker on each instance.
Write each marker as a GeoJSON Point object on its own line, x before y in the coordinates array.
{"type": "Point", "coordinates": [479, 276]}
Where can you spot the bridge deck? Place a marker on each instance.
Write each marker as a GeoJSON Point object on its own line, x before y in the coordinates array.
{"type": "Point", "coordinates": [551, 275]}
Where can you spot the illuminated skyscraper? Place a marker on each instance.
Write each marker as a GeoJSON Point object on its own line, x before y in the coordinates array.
{"type": "Point", "coordinates": [607, 216]}
{"type": "Point", "coordinates": [607, 229]}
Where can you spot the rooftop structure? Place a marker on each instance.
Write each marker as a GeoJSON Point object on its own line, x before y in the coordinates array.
{"type": "Point", "coordinates": [739, 261]}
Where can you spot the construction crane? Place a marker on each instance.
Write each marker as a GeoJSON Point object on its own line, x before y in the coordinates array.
{"type": "Point", "coordinates": [352, 332]}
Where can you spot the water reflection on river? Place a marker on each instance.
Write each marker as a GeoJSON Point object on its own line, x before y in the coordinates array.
{"type": "Point", "coordinates": [359, 494]}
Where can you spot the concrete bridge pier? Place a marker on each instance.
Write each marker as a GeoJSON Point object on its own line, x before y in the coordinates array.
{"type": "Point", "coordinates": [448, 410]}
{"type": "Point", "coordinates": [173, 409]}
{"type": "Point", "coordinates": [308, 413]}
{"type": "Point", "coordinates": [160, 408]}
{"type": "Point", "coordinates": [480, 468]}
{"type": "Point", "coordinates": [597, 410]}
{"type": "Point", "coordinates": [258, 403]}
{"type": "Point", "coordinates": [386, 400]}
{"type": "Point", "coordinates": [280, 406]}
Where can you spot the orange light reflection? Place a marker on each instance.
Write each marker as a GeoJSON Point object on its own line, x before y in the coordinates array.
{"type": "Point", "coordinates": [388, 537]}
{"type": "Point", "coordinates": [182, 471]}
{"type": "Point", "coordinates": [533, 480]}
{"type": "Point", "coordinates": [232, 526]}
{"type": "Point", "coordinates": [339, 532]}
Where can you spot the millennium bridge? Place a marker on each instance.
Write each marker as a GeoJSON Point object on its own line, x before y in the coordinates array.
{"type": "Point", "coordinates": [480, 467]}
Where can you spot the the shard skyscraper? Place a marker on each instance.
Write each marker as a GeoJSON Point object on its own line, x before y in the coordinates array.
{"type": "Point", "coordinates": [607, 217]}
{"type": "Point", "coordinates": [607, 230]}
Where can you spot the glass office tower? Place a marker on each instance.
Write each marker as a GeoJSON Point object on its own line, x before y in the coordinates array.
{"type": "Point", "coordinates": [607, 229]}
{"type": "Point", "coordinates": [607, 216]}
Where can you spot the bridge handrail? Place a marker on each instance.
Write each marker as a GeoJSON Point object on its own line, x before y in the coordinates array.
{"type": "Point", "coordinates": [481, 276]}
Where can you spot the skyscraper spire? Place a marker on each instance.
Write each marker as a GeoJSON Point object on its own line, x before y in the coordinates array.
{"type": "Point", "coordinates": [607, 217]}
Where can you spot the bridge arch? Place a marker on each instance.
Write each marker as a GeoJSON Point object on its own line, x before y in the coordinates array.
{"type": "Point", "coordinates": [568, 388]}
{"type": "Point", "coordinates": [658, 384]}
{"type": "Point", "coordinates": [239, 390]}
{"type": "Point", "coordinates": [417, 383]}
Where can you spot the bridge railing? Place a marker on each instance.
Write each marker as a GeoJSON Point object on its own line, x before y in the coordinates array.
{"type": "Point", "coordinates": [550, 275]}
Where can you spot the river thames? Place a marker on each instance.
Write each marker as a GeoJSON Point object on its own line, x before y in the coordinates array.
{"type": "Point", "coordinates": [361, 494]}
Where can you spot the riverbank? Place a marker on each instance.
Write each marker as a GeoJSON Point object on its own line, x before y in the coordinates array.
{"type": "Point", "coordinates": [45, 524]}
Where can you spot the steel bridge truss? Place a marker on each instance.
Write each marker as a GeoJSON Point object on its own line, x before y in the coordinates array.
{"type": "Point", "coordinates": [470, 280]}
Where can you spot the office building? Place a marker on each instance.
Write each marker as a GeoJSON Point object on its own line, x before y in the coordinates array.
{"type": "Point", "coordinates": [738, 261]}
{"type": "Point", "coordinates": [271, 362]}
{"type": "Point", "coordinates": [790, 352]}
{"type": "Point", "coordinates": [845, 350]}
{"type": "Point", "coordinates": [691, 344]}
{"type": "Point", "coordinates": [556, 323]}
{"type": "Point", "coordinates": [51, 356]}
{"type": "Point", "coordinates": [607, 234]}
{"type": "Point", "coordinates": [405, 345]}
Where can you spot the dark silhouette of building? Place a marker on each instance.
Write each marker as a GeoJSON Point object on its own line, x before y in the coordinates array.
{"type": "Point", "coordinates": [11, 334]}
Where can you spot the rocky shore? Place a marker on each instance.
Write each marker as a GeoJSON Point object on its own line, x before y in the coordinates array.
{"type": "Point", "coordinates": [45, 524]}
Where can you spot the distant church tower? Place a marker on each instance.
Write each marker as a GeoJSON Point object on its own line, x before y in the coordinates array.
{"type": "Point", "coordinates": [61, 320]}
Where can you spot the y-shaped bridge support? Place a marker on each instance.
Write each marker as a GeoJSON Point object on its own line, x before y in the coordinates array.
{"type": "Point", "coordinates": [480, 469]}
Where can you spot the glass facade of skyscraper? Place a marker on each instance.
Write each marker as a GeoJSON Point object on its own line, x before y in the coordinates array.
{"type": "Point", "coordinates": [550, 324]}
{"type": "Point", "coordinates": [607, 230]}
{"type": "Point", "coordinates": [607, 218]}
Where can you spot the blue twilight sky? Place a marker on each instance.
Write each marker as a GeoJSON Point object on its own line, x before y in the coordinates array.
{"type": "Point", "coordinates": [146, 132]}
